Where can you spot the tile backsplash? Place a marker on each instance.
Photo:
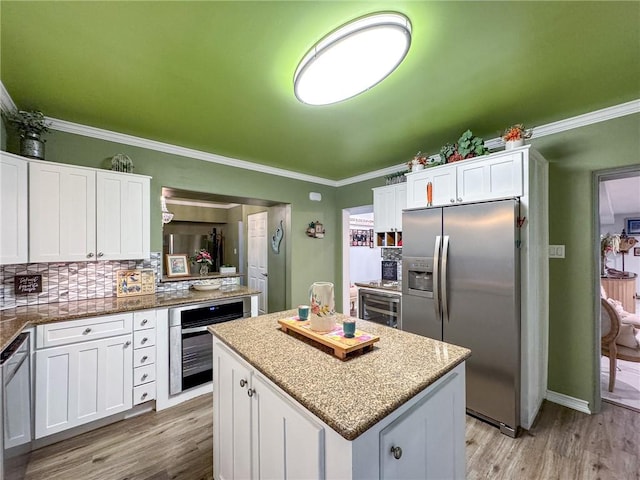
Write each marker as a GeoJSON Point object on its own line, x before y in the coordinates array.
{"type": "Point", "coordinates": [63, 282]}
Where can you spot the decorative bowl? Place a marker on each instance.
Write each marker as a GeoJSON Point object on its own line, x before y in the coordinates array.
{"type": "Point", "coordinates": [207, 284]}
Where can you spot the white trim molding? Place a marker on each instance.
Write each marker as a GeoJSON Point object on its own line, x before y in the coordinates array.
{"type": "Point", "coordinates": [569, 402]}
{"type": "Point", "coordinates": [597, 116]}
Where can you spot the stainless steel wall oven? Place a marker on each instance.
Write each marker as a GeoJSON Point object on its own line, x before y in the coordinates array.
{"type": "Point", "coordinates": [190, 344]}
{"type": "Point", "coordinates": [380, 307]}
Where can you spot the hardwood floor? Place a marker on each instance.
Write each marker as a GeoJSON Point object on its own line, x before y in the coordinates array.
{"type": "Point", "coordinates": [177, 444]}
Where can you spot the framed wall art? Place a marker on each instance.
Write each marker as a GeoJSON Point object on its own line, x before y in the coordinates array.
{"type": "Point", "coordinates": [177, 265]}
{"type": "Point", "coordinates": [633, 226]}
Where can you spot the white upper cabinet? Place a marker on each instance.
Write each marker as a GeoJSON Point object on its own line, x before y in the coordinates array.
{"type": "Point", "coordinates": [122, 215]}
{"type": "Point", "coordinates": [13, 210]}
{"type": "Point", "coordinates": [62, 213]}
{"type": "Point", "coordinates": [84, 214]}
{"type": "Point", "coordinates": [486, 178]}
{"type": "Point", "coordinates": [388, 203]}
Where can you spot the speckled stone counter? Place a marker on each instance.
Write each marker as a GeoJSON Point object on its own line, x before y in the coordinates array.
{"type": "Point", "coordinates": [14, 320]}
{"type": "Point", "coordinates": [380, 285]}
{"type": "Point", "coordinates": [350, 396]}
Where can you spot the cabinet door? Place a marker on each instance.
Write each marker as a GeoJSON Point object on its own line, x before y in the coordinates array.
{"type": "Point", "coordinates": [443, 181]}
{"type": "Point", "coordinates": [13, 205]}
{"type": "Point", "coordinates": [430, 436]}
{"type": "Point", "coordinates": [489, 179]}
{"type": "Point", "coordinates": [232, 416]}
{"type": "Point", "coordinates": [62, 213]}
{"type": "Point", "coordinates": [80, 383]}
{"type": "Point", "coordinates": [288, 443]}
{"type": "Point", "coordinates": [383, 209]}
{"type": "Point", "coordinates": [122, 216]}
{"type": "Point", "coordinates": [400, 204]}
{"type": "Point", "coordinates": [417, 189]}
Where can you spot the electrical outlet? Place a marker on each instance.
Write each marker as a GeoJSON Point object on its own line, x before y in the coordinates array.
{"type": "Point", "coordinates": [556, 251]}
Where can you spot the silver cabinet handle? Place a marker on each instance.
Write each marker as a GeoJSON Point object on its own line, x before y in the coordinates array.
{"type": "Point", "coordinates": [396, 452]}
{"type": "Point", "coordinates": [243, 382]}
{"type": "Point", "coordinates": [143, 359]}
{"type": "Point", "coordinates": [144, 395]}
{"type": "Point", "coordinates": [452, 200]}
{"type": "Point", "coordinates": [144, 377]}
{"type": "Point", "coordinates": [127, 343]}
{"type": "Point", "coordinates": [89, 255]}
{"type": "Point", "coordinates": [144, 322]}
{"type": "Point", "coordinates": [87, 331]}
{"type": "Point", "coordinates": [144, 340]}
{"type": "Point", "coordinates": [251, 391]}
{"type": "Point", "coordinates": [100, 254]}
{"type": "Point", "coordinates": [459, 199]}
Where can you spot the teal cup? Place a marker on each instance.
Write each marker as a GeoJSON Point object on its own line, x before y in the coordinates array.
{"type": "Point", "coordinates": [349, 328]}
{"type": "Point", "coordinates": [303, 312]}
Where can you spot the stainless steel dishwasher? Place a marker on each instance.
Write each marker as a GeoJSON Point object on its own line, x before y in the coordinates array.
{"type": "Point", "coordinates": [16, 404]}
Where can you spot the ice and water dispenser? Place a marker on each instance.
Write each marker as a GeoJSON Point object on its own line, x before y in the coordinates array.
{"type": "Point", "coordinates": [418, 275]}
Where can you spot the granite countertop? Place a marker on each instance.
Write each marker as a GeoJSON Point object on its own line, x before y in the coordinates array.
{"type": "Point", "coordinates": [14, 320]}
{"type": "Point", "coordinates": [393, 287]}
{"type": "Point", "coordinates": [350, 396]}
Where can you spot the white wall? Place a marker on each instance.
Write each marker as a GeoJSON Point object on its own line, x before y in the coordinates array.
{"type": "Point", "coordinates": [365, 264]}
{"type": "Point", "coordinates": [631, 262]}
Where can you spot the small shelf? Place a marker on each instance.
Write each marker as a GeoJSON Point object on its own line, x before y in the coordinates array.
{"type": "Point", "coordinates": [211, 276]}
{"type": "Point", "coordinates": [388, 239]}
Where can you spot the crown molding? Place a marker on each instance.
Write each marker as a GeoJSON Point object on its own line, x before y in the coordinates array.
{"type": "Point", "coordinates": [92, 132]}
{"type": "Point", "coordinates": [602, 115]}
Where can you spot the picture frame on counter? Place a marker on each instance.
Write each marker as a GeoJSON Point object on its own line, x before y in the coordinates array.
{"type": "Point", "coordinates": [177, 265]}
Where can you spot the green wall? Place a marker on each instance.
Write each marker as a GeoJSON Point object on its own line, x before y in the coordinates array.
{"type": "Point", "coordinates": [573, 158]}
{"type": "Point", "coordinates": [314, 258]}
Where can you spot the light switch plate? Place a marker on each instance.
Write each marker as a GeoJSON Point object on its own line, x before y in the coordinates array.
{"type": "Point", "coordinates": [556, 251]}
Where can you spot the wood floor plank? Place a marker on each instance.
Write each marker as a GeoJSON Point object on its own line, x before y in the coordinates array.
{"type": "Point", "coordinates": [176, 444]}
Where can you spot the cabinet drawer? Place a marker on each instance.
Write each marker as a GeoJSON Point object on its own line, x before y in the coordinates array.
{"type": "Point", "coordinates": [144, 374]}
{"type": "Point", "coordinates": [144, 393]}
{"type": "Point", "coordinates": [73, 331]}
{"type": "Point", "coordinates": [145, 319]}
{"type": "Point", "coordinates": [144, 338]}
{"type": "Point", "coordinates": [144, 356]}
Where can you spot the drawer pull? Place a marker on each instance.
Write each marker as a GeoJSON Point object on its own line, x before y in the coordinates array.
{"type": "Point", "coordinates": [144, 359]}
{"type": "Point", "coordinates": [396, 452]}
{"type": "Point", "coordinates": [127, 343]}
{"type": "Point", "coordinates": [87, 331]}
{"type": "Point", "coordinates": [144, 377]}
{"type": "Point", "coordinates": [144, 322]}
{"type": "Point", "coordinates": [143, 396]}
{"type": "Point", "coordinates": [144, 340]}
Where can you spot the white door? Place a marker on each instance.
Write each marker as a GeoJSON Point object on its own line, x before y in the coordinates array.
{"type": "Point", "coordinates": [257, 258]}
{"type": "Point", "coordinates": [82, 382]}
{"type": "Point", "coordinates": [287, 442]}
{"type": "Point", "coordinates": [13, 210]}
{"type": "Point", "coordinates": [232, 417]}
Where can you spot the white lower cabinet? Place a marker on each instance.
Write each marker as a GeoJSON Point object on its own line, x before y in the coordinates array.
{"type": "Point", "coordinates": [82, 382]}
{"type": "Point", "coordinates": [83, 371]}
{"type": "Point", "coordinates": [262, 433]}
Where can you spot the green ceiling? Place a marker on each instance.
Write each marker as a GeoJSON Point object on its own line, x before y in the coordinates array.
{"type": "Point", "coordinates": [217, 76]}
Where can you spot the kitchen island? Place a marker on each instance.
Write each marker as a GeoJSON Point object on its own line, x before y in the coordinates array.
{"type": "Point", "coordinates": [284, 406]}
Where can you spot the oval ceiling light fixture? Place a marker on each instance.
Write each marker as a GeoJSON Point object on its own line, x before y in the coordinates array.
{"type": "Point", "coordinates": [352, 59]}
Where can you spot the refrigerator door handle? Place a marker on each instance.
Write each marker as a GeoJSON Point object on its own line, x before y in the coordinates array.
{"type": "Point", "coordinates": [436, 269]}
{"type": "Point", "coordinates": [443, 280]}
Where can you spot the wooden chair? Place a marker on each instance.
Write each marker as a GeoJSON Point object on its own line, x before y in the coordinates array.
{"type": "Point", "coordinates": [610, 332]}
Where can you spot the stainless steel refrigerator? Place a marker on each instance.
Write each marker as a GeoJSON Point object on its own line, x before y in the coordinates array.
{"type": "Point", "coordinates": [460, 284]}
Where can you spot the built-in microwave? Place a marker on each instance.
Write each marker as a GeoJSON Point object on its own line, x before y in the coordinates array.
{"type": "Point", "coordinates": [417, 276]}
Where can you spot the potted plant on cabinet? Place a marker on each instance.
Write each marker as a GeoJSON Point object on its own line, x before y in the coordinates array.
{"type": "Point", "coordinates": [468, 146]}
{"type": "Point", "coordinates": [30, 125]}
{"type": "Point", "coordinates": [515, 135]}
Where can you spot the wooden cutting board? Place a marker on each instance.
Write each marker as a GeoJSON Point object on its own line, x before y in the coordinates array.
{"type": "Point", "coordinates": [335, 339]}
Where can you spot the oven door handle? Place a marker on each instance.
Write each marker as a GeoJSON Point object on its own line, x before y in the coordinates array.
{"type": "Point", "coordinates": [194, 330]}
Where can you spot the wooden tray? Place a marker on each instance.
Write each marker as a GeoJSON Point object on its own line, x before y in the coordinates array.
{"type": "Point", "coordinates": [335, 339]}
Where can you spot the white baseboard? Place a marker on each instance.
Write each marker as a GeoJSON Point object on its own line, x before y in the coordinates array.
{"type": "Point", "coordinates": [569, 402]}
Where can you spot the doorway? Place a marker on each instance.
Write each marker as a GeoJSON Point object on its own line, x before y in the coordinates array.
{"type": "Point", "coordinates": [257, 258]}
{"type": "Point", "coordinates": [618, 206]}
